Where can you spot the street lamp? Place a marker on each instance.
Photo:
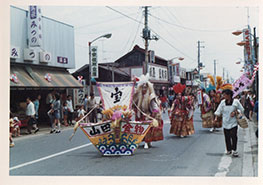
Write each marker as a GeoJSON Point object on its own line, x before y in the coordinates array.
{"type": "Point", "coordinates": [171, 60]}
{"type": "Point", "coordinates": [89, 44]}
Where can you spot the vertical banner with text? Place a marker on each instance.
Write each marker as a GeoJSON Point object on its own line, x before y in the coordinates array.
{"type": "Point", "coordinates": [35, 26]}
{"type": "Point", "coordinates": [94, 62]}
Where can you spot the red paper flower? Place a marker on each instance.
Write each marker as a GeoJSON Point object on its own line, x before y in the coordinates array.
{"type": "Point", "coordinates": [178, 88]}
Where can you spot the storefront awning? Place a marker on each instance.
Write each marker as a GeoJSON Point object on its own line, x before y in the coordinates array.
{"type": "Point", "coordinates": [23, 79]}
{"type": "Point", "coordinates": [59, 78]}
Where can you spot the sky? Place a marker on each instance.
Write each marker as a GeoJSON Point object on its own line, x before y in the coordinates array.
{"type": "Point", "coordinates": [179, 28]}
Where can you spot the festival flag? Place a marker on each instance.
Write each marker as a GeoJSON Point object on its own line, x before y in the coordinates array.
{"type": "Point", "coordinates": [254, 72]}
{"type": "Point", "coordinates": [239, 85]}
{"type": "Point", "coordinates": [116, 93]}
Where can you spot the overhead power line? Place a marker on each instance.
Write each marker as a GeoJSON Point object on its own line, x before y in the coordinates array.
{"type": "Point", "coordinates": [192, 29]}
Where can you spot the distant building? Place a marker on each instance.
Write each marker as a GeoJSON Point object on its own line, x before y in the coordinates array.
{"type": "Point", "coordinates": [133, 64]}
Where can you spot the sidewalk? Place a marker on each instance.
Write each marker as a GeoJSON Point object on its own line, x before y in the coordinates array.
{"type": "Point", "coordinates": [43, 129]}
{"type": "Point", "coordinates": [250, 150]}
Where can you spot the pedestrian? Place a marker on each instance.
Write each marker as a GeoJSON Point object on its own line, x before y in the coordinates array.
{"type": "Point", "coordinates": [81, 112]}
{"type": "Point", "coordinates": [65, 113]}
{"type": "Point", "coordinates": [36, 104]}
{"type": "Point", "coordinates": [16, 128]}
{"type": "Point", "coordinates": [30, 113]}
{"type": "Point", "coordinates": [70, 109]}
{"type": "Point", "coordinates": [11, 127]}
{"type": "Point", "coordinates": [92, 105]}
{"type": "Point", "coordinates": [147, 103]}
{"type": "Point", "coordinates": [86, 102]}
{"type": "Point", "coordinates": [170, 99]}
{"type": "Point", "coordinates": [215, 97]}
{"type": "Point", "coordinates": [163, 100]}
{"type": "Point", "coordinates": [229, 108]}
{"type": "Point", "coordinates": [56, 108]}
{"type": "Point", "coordinates": [206, 111]}
{"type": "Point", "coordinates": [248, 105]}
{"type": "Point", "coordinates": [255, 110]}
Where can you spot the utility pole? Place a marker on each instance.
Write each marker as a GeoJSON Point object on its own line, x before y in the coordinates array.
{"type": "Point", "coordinates": [146, 34]}
{"type": "Point", "coordinates": [146, 39]}
{"type": "Point", "coordinates": [215, 71]}
{"type": "Point", "coordinates": [223, 73]}
{"type": "Point", "coordinates": [199, 64]}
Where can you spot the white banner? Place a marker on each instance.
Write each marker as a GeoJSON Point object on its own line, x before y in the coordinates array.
{"type": "Point", "coordinates": [94, 62]}
{"type": "Point", "coordinates": [118, 93]}
{"type": "Point", "coordinates": [35, 26]}
{"type": "Point", "coordinates": [200, 97]}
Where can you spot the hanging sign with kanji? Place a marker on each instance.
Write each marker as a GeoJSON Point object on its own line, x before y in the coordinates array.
{"type": "Point", "coordinates": [94, 62]}
{"type": "Point", "coordinates": [35, 26]}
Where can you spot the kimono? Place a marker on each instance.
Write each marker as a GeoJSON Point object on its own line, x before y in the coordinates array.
{"type": "Point", "coordinates": [182, 116]}
{"type": "Point", "coordinates": [207, 112]}
{"type": "Point", "coordinates": [215, 101]}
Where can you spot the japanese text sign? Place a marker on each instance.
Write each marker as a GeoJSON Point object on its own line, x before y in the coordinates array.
{"type": "Point", "coordinates": [94, 62]}
{"type": "Point", "coordinates": [239, 85]}
{"type": "Point", "coordinates": [113, 94]}
{"type": "Point", "coordinates": [35, 26]}
{"type": "Point", "coordinates": [248, 45]}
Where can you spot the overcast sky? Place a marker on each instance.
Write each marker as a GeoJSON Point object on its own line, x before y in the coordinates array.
{"type": "Point", "coordinates": [178, 28]}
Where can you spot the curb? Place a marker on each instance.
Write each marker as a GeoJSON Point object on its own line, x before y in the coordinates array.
{"type": "Point", "coordinates": [250, 152]}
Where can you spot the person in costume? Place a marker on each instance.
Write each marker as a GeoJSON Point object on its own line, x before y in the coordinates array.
{"type": "Point", "coordinates": [181, 113]}
{"type": "Point", "coordinates": [206, 110]}
{"type": "Point", "coordinates": [147, 104]}
{"type": "Point", "coordinates": [215, 98]}
{"type": "Point", "coordinates": [229, 108]}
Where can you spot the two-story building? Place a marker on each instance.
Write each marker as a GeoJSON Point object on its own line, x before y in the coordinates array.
{"type": "Point", "coordinates": [41, 51]}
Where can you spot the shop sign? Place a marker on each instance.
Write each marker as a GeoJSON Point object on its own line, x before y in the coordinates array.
{"type": "Point", "coordinates": [248, 45]}
{"type": "Point", "coordinates": [177, 79]}
{"type": "Point", "coordinates": [188, 82]}
{"type": "Point", "coordinates": [62, 60]}
{"type": "Point", "coordinates": [152, 57]}
{"type": "Point", "coordinates": [30, 54]}
{"type": "Point", "coordinates": [35, 26]}
{"type": "Point", "coordinates": [79, 96]}
{"type": "Point", "coordinates": [94, 62]}
{"type": "Point", "coordinates": [45, 57]}
{"type": "Point", "coordinates": [15, 52]}
{"type": "Point", "coordinates": [183, 73]}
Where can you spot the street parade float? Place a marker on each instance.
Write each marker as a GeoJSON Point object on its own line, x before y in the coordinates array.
{"type": "Point", "coordinates": [116, 134]}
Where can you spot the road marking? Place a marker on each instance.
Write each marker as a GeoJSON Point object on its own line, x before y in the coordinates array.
{"type": "Point", "coordinates": [48, 157]}
{"type": "Point", "coordinates": [223, 166]}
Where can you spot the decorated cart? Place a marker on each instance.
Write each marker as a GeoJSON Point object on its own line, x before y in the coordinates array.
{"type": "Point", "coordinates": [116, 134]}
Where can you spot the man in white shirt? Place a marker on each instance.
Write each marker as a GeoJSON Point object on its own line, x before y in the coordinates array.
{"type": "Point", "coordinates": [91, 105]}
{"type": "Point", "coordinates": [70, 108]}
{"type": "Point", "coordinates": [30, 112]}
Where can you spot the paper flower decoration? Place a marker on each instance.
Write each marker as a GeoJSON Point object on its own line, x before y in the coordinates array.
{"type": "Point", "coordinates": [48, 77]}
{"type": "Point", "coordinates": [80, 78]}
{"type": "Point", "coordinates": [14, 78]}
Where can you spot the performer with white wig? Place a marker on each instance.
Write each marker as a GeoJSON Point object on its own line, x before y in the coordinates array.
{"type": "Point", "coordinates": [146, 107]}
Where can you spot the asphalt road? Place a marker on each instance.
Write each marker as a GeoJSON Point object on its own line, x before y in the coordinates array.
{"type": "Point", "coordinates": [201, 154]}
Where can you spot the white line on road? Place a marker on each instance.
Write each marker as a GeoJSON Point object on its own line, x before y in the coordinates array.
{"type": "Point", "coordinates": [48, 157]}
{"type": "Point", "coordinates": [223, 166]}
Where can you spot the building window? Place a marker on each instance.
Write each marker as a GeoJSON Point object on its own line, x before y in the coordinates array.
{"type": "Point", "coordinates": [160, 73]}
